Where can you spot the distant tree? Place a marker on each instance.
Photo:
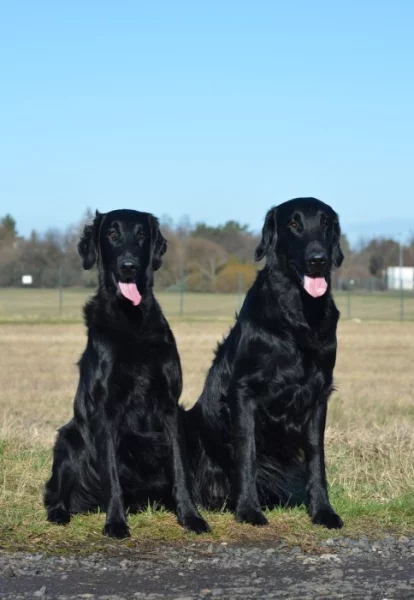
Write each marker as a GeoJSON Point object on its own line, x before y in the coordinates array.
{"type": "Point", "coordinates": [235, 276]}
{"type": "Point", "coordinates": [8, 231]}
{"type": "Point", "coordinates": [236, 239]}
{"type": "Point", "coordinates": [183, 228]}
{"type": "Point", "coordinates": [376, 265]}
{"type": "Point", "coordinates": [166, 222]}
{"type": "Point", "coordinates": [34, 237]}
{"type": "Point", "coordinates": [211, 258]}
{"type": "Point", "coordinates": [41, 258]}
{"type": "Point", "coordinates": [345, 245]}
{"type": "Point", "coordinates": [173, 260]}
{"type": "Point", "coordinates": [72, 272]}
{"type": "Point", "coordinates": [385, 249]}
{"type": "Point", "coordinates": [370, 257]}
{"type": "Point", "coordinates": [203, 260]}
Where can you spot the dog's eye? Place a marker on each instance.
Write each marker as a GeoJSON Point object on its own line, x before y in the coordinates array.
{"type": "Point", "coordinates": [293, 224]}
{"type": "Point", "coordinates": [325, 222]}
{"type": "Point", "coordinates": [112, 235]}
{"type": "Point", "coordinates": [141, 235]}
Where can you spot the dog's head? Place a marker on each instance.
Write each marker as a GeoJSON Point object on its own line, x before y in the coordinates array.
{"type": "Point", "coordinates": [302, 236]}
{"type": "Point", "coordinates": [127, 246]}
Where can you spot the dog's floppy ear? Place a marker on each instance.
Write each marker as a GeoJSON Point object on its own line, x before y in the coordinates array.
{"type": "Point", "coordinates": [337, 254]}
{"type": "Point", "coordinates": [158, 243]}
{"type": "Point", "coordinates": [268, 234]}
{"type": "Point", "coordinates": [88, 243]}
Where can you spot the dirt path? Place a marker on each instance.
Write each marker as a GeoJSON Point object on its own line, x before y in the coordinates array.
{"type": "Point", "coordinates": [351, 570]}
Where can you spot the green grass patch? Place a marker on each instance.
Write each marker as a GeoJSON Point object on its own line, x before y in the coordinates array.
{"type": "Point", "coordinates": [23, 527]}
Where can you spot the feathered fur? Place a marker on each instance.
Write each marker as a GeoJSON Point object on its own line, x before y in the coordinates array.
{"type": "Point", "coordinates": [124, 446]}
{"type": "Point", "coordinates": [257, 430]}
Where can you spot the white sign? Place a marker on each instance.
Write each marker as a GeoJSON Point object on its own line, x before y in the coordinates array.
{"type": "Point", "coordinates": [400, 278]}
{"type": "Point", "coordinates": [27, 280]}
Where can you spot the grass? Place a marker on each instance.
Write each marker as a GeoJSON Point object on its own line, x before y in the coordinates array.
{"type": "Point", "coordinates": [370, 441]}
{"type": "Point", "coordinates": [43, 306]}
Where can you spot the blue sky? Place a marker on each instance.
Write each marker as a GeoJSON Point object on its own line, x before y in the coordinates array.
{"type": "Point", "coordinates": [214, 110]}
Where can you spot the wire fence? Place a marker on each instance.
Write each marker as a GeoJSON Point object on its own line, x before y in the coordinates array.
{"type": "Point", "coordinates": [27, 305]}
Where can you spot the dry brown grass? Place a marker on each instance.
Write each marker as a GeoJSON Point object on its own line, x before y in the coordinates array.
{"type": "Point", "coordinates": [373, 372]}
{"type": "Point", "coordinates": [369, 438]}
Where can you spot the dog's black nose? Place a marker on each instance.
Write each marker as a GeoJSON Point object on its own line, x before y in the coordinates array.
{"type": "Point", "coordinates": [317, 260]}
{"type": "Point", "coordinates": [128, 265]}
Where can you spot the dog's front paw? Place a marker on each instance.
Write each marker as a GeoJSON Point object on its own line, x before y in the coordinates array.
{"type": "Point", "coordinates": [116, 529]}
{"type": "Point", "coordinates": [195, 523]}
{"type": "Point", "coordinates": [59, 516]}
{"type": "Point", "coordinates": [328, 518]}
{"type": "Point", "coordinates": [252, 515]}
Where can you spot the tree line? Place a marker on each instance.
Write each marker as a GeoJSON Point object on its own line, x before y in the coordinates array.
{"type": "Point", "coordinates": [201, 257]}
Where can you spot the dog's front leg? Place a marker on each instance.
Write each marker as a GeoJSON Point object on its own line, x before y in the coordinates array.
{"type": "Point", "coordinates": [248, 509]}
{"type": "Point", "coordinates": [187, 513]}
{"type": "Point", "coordinates": [115, 524]}
{"type": "Point", "coordinates": [319, 507]}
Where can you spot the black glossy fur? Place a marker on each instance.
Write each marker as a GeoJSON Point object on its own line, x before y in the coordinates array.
{"type": "Point", "coordinates": [257, 431]}
{"type": "Point", "coordinates": [125, 444]}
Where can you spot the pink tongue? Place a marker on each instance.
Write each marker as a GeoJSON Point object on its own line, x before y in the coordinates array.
{"type": "Point", "coordinates": [130, 292]}
{"type": "Point", "coordinates": [315, 286]}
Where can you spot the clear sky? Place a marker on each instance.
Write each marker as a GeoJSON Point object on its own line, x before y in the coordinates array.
{"type": "Point", "coordinates": [215, 110]}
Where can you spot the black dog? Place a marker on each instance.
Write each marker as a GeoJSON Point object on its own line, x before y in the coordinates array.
{"type": "Point", "coordinates": [125, 445]}
{"type": "Point", "coordinates": [258, 428]}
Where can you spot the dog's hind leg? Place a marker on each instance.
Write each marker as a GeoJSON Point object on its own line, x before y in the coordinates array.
{"type": "Point", "coordinates": [210, 458]}
{"type": "Point", "coordinates": [59, 486]}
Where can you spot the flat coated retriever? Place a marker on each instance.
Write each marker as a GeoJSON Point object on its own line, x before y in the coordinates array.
{"type": "Point", "coordinates": [257, 431]}
{"type": "Point", "coordinates": [125, 445]}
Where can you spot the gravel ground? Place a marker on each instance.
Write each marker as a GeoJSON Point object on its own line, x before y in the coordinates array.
{"type": "Point", "coordinates": [342, 568]}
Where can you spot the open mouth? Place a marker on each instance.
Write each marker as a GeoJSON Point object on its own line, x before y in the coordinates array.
{"type": "Point", "coordinates": [315, 285]}
{"type": "Point", "coordinates": [129, 291]}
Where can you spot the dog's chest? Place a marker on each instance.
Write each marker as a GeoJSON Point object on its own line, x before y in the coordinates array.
{"type": "Point", "coordinates": [137, 392]}
{"type": "Point", "coordinates": [141, 415]}
{"type": "Point", "coordinates": [294, 383]}
{"type": "Point", "coordinates": [142, 408]}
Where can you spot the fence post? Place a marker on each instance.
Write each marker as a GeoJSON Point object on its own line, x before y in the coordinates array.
{"type": "Point", "coordinates": [60, 284]}
{"type": "Point", "coordinates": [182, 290]}
{"type": "Point", "coordinates": [401, 264]}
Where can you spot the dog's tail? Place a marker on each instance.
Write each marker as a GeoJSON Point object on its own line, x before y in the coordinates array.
{"type": "Point", "coordinates": [277, 485]}
{"type": "Point", "coordinates": [281, 485]}
{"type": "Point", "coordinates": [212, 487]}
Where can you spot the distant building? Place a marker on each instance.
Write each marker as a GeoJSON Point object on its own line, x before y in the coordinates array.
{"type": "Point", "coordinates": [394, 275]}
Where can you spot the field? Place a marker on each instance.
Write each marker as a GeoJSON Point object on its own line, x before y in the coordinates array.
{"type": "Point", "coordinates": [370, 435]}
{"type": "Point", "coordinates": [44, 306]}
